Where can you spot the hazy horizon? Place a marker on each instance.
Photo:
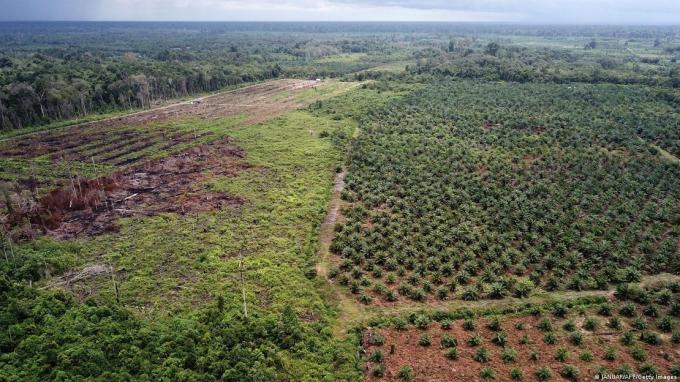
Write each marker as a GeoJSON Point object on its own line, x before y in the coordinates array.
{"type": "Point", "coordinates": [565, 12]}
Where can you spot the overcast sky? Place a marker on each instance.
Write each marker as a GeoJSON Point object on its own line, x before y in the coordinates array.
{"type": "Point", "coordinates": [526, 11]}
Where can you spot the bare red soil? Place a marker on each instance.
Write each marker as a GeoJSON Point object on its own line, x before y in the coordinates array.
{"type": "Point", "coordinates": [430, 363]}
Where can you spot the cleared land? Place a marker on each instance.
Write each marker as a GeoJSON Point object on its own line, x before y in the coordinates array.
{"type": "Point", "coordinates": [80, 180]}
{"type": "Point", "coordinates": [130, 139]}
{"type": "Point", "coordinates": [523, 343]}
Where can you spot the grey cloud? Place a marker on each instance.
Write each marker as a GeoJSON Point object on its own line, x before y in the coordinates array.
{"type": "Point", "coordinates": [526, 5]}
{"type": "Point", "coordinates": [608, 11]}
{"type": "Point", "coordinates": [530, 11]}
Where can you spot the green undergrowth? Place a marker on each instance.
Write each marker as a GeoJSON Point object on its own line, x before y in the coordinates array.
{"type": "Point", "coordinates": [371, 96]}
{"type": "Point", "coordinates": [178, 270]}
{"type": "Point", "coordinates": [174, 309]}
{"type": "Point", "coordinates": [440, 315]}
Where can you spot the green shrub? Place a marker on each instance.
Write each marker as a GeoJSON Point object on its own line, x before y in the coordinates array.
{"type": "Point", "coordinates": [399, 323]}
{"type": "Point", "coordinates": [487, 374]}
{"type": "Point", "coordinates": [469, 325]}
{"type": "Point", "coordinates": [559, 310]}
{"type": "Point", "coordinates": [665, 324]}
{"type": "Point", "coordinates": [379, 371]}
{"type": "Point", "coordinates": [446, 324]}
{"type": "Point", "coordinates": [523, 289]}
{"type": "Point", "coordinates": [639, 324]}
{"type": "Point", "coordinates": [586, 356]}
{"type": "Point", "coordinates": [376, 339]}
{"type": "Point", "coordinates": [418, 294]}
{"type": "Point", "coordinates": [628, 338]}
{"type": "Point", "coordinates": [405, 373]}
{"type": "Point", "coordinates": [650, 338]}
{"type": "Point", "coordinates": [627, 310]}
{"type": "Point", "coordinates": [638, 354]}
{"type": "Point", "coordinates": [516, 375]}
{"type": "Point", "coordinates": [376, 356]}
{"type": "Point", "coordinates": [422, 322]}
{"type": "Point", "coordinates": [509, 355]}
{"type": "Point", "coordinates": [651, 310]}
{"type": "Point", "coordinates": [524, 340]}
{"type": "Point", "coordinates": [664, 297]}
{"type": "Point", "coordinates": [494, 324]}
{"type": "Point", "coordinates": [543, 374]}
{"type": "Point", "coordinates": [365, 299]}
{"type": "Point", "coordinates": [448, 341]}
{"type": "Point", "coordinates": [576, 338]}
{"type": "Point", "coordinates": [605, 309]}
{"type": "Point", "coordinates": [452, 353]}
{"type": "Point", "coordinates": [676, 337]}
{"type": "Point", "coordinates": [545, 325]}
{"type": "Point", "coordinates": [625, 371]}
{"type": "Point", "coordinates": [591, 324]}
{"type": "Point", "coordinates": [500, 339]}
{"type": "Point", "coordinates": [647, 369]}
{"type": "Point", "coordinates": [569, 326]}
{"type": "Point", "coordinates": [675, 370]}
{"type": "Point", "coordinates": [569, 372]}
{"type": "Point", "coordinates": [425, 340]}
{"type": "Point", "coordinates": [534, 356]}
{"type": "Point", "coordinates": [561, 354]}
{"type": "Point", "coordinates": [474, 340]}
{"type": "Point", "coordinates": [470, 294]}
{"type": "Point", "coordinates": [610, 354]}
{"type": "Point", "coordinates": [482, 355]}
{"type": "Point", "coordinates": [614, 323]}
{"type": "Point", "coordinates": [550, 338]}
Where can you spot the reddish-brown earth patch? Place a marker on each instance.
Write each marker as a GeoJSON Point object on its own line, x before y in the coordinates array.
{"type": "Point", "coordinates": [259, 102]}
{"type": "Point", "coordinates": [171, 184]}
{"type": "Point", "coordinates": [430, 363]}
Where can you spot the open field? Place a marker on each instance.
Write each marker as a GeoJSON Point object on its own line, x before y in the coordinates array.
{"type": "Point", "coordinates": [125, 140]}
{"type": "Point", "coordinates": [82, 179]}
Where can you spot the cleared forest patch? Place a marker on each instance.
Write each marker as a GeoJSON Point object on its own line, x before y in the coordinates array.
{"type": "Point", "coordinates": [171, 184]}
{"type": "Point", "coordinates": [80, 180]}
{"type": "Point", "coordinates": [257, 103]}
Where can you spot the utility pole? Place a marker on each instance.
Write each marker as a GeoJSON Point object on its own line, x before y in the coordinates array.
{"type": "Point", "coordinates": [243, 285]}
{"type": "Point", "coordinates": [115, 285]}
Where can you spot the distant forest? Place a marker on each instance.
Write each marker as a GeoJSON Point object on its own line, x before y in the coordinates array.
{"type": "Point", "coordinates": [60, 71]}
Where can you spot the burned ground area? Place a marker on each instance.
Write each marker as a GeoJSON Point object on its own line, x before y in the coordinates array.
{"type": "Point", "coordinates": [172, 184]}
